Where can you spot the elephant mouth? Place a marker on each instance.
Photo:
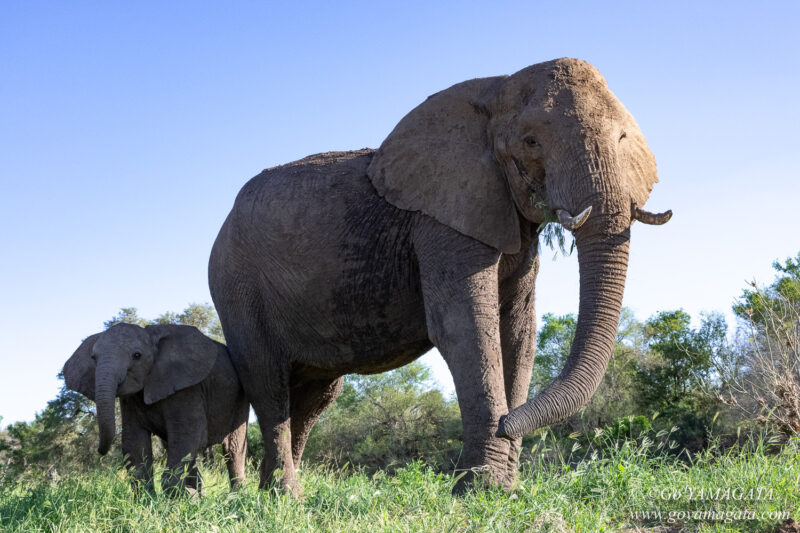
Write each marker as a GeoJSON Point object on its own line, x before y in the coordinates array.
{"type": "Point", "coordinates": [129, 386]}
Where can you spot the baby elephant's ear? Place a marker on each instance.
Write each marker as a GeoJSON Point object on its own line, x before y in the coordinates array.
{"type": "Point", "coordinates": [79, 369]}
{"type": "Point", "coordinates": [184, 357]}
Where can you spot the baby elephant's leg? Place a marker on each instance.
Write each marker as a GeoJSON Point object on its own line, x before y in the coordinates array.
{"type": "Point", "coordinates": [235, 448]}
{"type": "Point", "coordinates": [185, 438]}
{"type": "Point", "coordinates": [137, 449]}
{"type": "Point", "coordinates": [181, 471]}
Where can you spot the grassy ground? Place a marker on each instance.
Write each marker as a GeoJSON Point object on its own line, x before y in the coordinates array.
{"type": "Point", "coordinates": [593, 494]}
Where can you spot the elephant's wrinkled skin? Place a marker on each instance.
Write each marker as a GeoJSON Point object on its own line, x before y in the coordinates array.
{"type": "Point", "coordinates": [361, 261]}
{"type": "Point", "coordinates": [172, 381]}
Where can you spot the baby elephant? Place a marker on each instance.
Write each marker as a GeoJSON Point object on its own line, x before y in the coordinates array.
{"type": "Point", "coordinates": [173, 382]}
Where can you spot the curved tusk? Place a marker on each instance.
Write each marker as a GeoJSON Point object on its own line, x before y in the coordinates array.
{"type": "Point", "coordinates": [654, 219]}
{"type": "Point", "coordinates": [570, 222]}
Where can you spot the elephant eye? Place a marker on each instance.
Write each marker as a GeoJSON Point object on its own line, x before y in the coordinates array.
{"type": "Point", "coordinates": [137, 355]}
{"type": "Point", "coordinates": [623, 135]}
{"type": "Point", "coordinates": [530, 141]}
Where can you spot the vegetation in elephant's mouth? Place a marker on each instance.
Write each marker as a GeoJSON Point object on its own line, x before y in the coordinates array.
{"type": "Point", "coordinates": [550, 231]}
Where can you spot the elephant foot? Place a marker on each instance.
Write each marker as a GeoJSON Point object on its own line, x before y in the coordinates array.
{"type": "Point", "coordinates": [174, 485]}
{"type": "Point", "coordinates": [280, 480]}
{"type": "Point", "coordinates": [483, 462]}
{"type": "Point", "coordinates": [481, 477]}
{"type": "Point", "coordinates": [291, 488]}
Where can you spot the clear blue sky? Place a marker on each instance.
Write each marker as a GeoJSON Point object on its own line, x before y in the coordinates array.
{"type": "Point", "coordinates": [126, 130]}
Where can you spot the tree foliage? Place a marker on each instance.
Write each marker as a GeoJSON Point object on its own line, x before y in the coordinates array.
{"type": "Point", "coordinates": [553, 344]}
{"type": "Point", "coordinates": [127, 315]}
{"type": "Point", "coordinates": [761, 304]}
{"type": "Point", "coordinates": [686, 354]}
{"type": "Point", "coordinates": [615, 396]}
{"type": "Point", "coordinates": [660, 366]}
{"type": "Point", "coordinates": [63, 436]}
{"type": "Point", "coordinates": [386, 420]}
{"type": "Point", "coordinates": [763, 379]}
{"type": "Point", "coordinates": [202, 316]}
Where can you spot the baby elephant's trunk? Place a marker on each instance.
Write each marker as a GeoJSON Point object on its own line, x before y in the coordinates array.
{"type": "Point", "coordinates": [105, 394]}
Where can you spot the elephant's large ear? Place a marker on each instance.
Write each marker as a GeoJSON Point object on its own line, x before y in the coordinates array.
{"type": "Point", "coordinates": [638, 161]}
{"type": "Point", "coordinates": [79, 369]}
{"type": "Point", "coordinates": [184, 357]}
{"type": "Point", "coordinates": [439, 160]}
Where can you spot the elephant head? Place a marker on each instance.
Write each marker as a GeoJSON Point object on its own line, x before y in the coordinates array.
{"type": "Point", "coordinates": [126, 359]}
{"type": "Point", "coordinates": [550, 142]}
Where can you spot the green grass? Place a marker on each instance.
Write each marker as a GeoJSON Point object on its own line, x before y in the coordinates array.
{"type": "Point", "coordinates": [598, 493]}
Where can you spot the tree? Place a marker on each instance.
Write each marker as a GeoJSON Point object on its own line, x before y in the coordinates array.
{"type": "Point", "coordinates": [764, 381]}
{"type": "Point", "coordinates": [553, 344]}
{"type": "Point", "coordinates": [63, 436]}
{"type": "Point", "coordinates": [127, 315]}
{"type": "Point", "coordinates": [762, 304]}
{"type": "Point", "coordinates": [686, 354]}
{"type": "Point", "coordinates": [202, 316]}
{"type": "Point", "coordinates": [660, 366]}
{"type": "Point", "coordinates": [385, 419]}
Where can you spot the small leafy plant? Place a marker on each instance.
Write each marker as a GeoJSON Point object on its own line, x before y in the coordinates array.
{"type": "Point", "coordinates": [550, 231]}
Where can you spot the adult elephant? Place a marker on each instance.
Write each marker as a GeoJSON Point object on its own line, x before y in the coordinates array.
{"type": "Point", "coordinates": [362, 261]}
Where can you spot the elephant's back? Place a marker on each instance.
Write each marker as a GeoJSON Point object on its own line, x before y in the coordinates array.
{"type": "Point", "coordinates": [327, 166]}
{"type": "Point", "coordinates": [282, 206]}
{"type": "Point", "coordinates": [354, 160]}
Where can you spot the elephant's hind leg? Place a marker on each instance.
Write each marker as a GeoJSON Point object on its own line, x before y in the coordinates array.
{"type": "Point", "coordinates": [309, 400]}
{"type": "Point", "coordinates": [272, 409]}
{"type": "Point", "coordinates": [263, 369]}
{"type": "Point", "coordinates": [268, 391]}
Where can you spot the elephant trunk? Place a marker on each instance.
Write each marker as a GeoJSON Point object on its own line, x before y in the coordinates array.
{"type": "Point", "coordinates": [106, 381]}
{"type": "Point", "coordinates": [603, 263]}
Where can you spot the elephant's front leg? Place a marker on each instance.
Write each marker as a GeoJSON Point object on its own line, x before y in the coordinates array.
{"type": "Point", "coordinates": [518, 337]}
{"type": "Point", "coordinates": [186, 436]}
{"type": "Point", "coordinates": [137, 448]}
{"type": "Point", "coordinates": [459, 286]}
{"type": "Point", "coordinates": [181, 473]}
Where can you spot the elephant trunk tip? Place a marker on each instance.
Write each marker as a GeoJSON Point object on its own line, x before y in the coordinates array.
{"type": "Point", "coordinates": [506, 429]}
